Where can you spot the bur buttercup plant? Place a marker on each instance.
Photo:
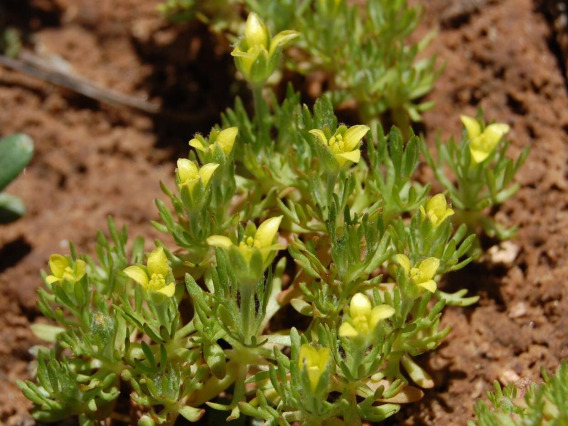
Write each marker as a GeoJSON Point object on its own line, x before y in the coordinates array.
{"type": "Point", "coordinates": [304, 283]}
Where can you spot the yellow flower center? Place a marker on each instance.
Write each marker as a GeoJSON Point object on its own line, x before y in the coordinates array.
{"type": "Point", "coordinates": [433, 217]}
{"type": "Point", "coordinates": [68, 274]}
{"type": "Point", "coordinates": [336, 144]}
{"type": "Point", "coordinates": [247, 243]}
{"type": "Point", "coordinates": [415, 275]}
{"type": "Point", "coordinates": [157, 282]}
{"type": "Point", "coordinates": [361, 324]}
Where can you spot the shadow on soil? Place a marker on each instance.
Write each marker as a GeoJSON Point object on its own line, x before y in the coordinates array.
{"type": "Point", "coordinates": [11, 253]}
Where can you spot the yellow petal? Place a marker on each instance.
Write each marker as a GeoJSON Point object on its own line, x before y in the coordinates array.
{"type": "Point", "coordinates": [429, 285]}
{"type": "Point", "coordinates": [168, 290]}
{"type": "Point", "coordinates": [449, 212]}
{"type": "Point", "coordinates": [57, 264]}
{"type": "Point", "coordinates": [50, 279]}
{"type": "Point", "coordinates": [314, 374]}
{"type": "Point", "coordinates": [308, 355]}
{"type": "Point", "coordinates": [323, 356]}
{"type": "Point", "coordinates": [428, 267]}
{"type": "Point", "coordinates": [80, 269]}
{"type": "Point", "coordinates": [219, 241]}
{"type": "Point", "coordinates": [347, 330]}
{"type": "Point", "coordinates": [197, 144]}
{"type": "Point", "coordinates": [266, 232]}
{"type": "Point", "coordinates": [256, 33]}
{"type": "Point", "coordinates": [472, 126]}
{"type": "Point", "coordinates": [226, 139]}
{"type": "Point", "coordinates": [360, 306]}
{"type": "Point", "coordinates": [281, 39]}
{"type": "Point", "coordinates": [206, 172]}
{"type": "Point", "coordinates": [320, 136]}
{"type": "Point", "coordinates": [353, 136]}
{"type": "Point", "coordinates": [438, 204]}
{"type": "Point", "coordinates": [381, 312]}
{"type": "Point", "coordinates": [186, 170]}
{"type": "Point", "coordinates": [158, 262]}
{"type": "Point", "coordinates": [353, 156]}
{"type": "Point", "coordinates": [477, 155]}
{"type": "Point", "coordinates": [494, 132]}
{"type": "Point", "coordinates": [403, 261]}
{"type": "Point", "coordinates": [137, 274]}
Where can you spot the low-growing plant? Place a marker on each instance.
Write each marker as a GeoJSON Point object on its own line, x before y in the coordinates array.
{"type": "Point", "coordinates": [15, 153]}
{"type": "Point", "coordinates": [363, 52]}
{"type": "Point", "coordinates": [302, 288]}
{"type": "Point", "coordinates": [535, 404]}
{"type": "Point", "coordinates": [482, 171]}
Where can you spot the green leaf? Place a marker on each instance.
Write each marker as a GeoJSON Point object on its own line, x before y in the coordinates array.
{"type": "Point", "coordinates": [192, 414]}
{"type": "Point", "coordinates": [11, 208]}
{"type": "Point", "coordinates": [15, 153]}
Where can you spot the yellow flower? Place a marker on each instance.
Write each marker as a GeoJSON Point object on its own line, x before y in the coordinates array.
{"type": "Point", "coordinates": [437, 210]}
{"type": "Point", "coordinates": [363, 318]}
{"type": "Point", "coordinates": [423, 273]}
{"type": "Point", "coordinates": [482, 143]}
{"type": "Point", "coordinates": [256, 54]}
{"type": "Point", "coordinates": [262, 240]}
{"type": "Point", "coordinates": [189, 174]}
{"type": "Point", "coordinates": [62, 270]}
{"type": "Point", "coordinates": [156, 274]}
{"type": "Point", "coordinates": [344, 144]}
{"type": "Point", "coordinates": [225, 139]}
{"type": "Point", "coordinates": [315, 362]}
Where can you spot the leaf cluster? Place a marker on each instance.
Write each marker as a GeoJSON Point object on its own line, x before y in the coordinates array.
{"type": "Point", "coordinates": [542, 403]}
{"type": "Point", "coordinates": [307, 261]}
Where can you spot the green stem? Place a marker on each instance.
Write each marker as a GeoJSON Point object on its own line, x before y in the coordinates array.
{"type": "Point", "coordinates": [352, 416]}
{"type": "Point", "coordinates": [331, 178]}
{"type": "Point", "coordinates": [401, 120]}
{"type": "Point", "coordinates": [161, 311]}
{"type": "Point", "coordinates": [247, 312]}
{"type": "Point", "coordinates": [261, 114]}
{"type": "Point", "coordinates": [239, 390]}
{"type": "Point", "coordinates": [356, 362]}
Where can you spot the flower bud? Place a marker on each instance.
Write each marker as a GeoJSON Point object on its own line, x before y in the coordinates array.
{"type": "Point", "coordinates": [257, 54]}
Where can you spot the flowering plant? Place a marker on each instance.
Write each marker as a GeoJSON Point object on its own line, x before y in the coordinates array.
{"type": "Point", "coordinates": [484, 174]}
{"type": "Point", "coordinates": [363, 52]}
{"type": "Point", "coordinates": [305, 280]}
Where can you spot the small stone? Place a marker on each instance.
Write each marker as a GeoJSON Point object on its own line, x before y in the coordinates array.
{"type": "Point", "coordinates": [504, 253]}
{"type": "Point", "coordinates": [518, 310]}
{"type": "Point", "coordinates": [508, 376]}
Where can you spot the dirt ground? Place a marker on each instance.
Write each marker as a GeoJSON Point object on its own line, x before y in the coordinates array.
{"type": "Point", "coordinates": [93, 160]}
